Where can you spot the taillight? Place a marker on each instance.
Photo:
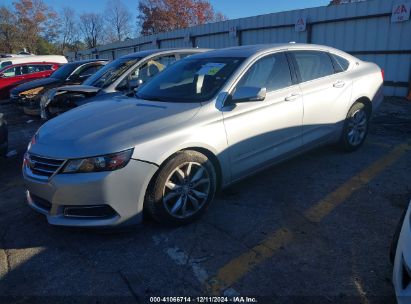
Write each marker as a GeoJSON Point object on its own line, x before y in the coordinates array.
{"type": "Point", "coordinates": [382, 74]}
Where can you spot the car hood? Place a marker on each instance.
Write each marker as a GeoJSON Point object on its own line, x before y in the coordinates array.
{"type": "Point", "coordinates": [109, 126]}
{"type": "Point", "coordinates": [44, 82]}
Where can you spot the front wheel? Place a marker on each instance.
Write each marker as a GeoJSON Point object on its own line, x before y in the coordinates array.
{"type": "Point", "coordinates": [355, 127]}
{"type": "Point", "coordinates": [183, 189]}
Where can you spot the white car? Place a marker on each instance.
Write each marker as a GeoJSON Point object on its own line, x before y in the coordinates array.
{"type": "Point", "coordinates": [202, 124]}
{"type": "Point", "coordinates": [32, 58]}
{"type": "Point", "coordinates": [401, 252]}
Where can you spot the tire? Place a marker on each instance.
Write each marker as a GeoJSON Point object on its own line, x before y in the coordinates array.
{"type": "Point", "coordinates": [396, 237]}
{"type": "Point", "coordinates": [182, 190]}
{"type": "Point", "coordinates": [3, 150]}
{"type": "Point", "coordinates": [355, 128]}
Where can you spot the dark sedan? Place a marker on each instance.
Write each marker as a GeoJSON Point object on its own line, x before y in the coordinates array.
{"type": "Point", "coordinates": [27, 96]}
{"type": "Point", "coordinates": [3, 136]}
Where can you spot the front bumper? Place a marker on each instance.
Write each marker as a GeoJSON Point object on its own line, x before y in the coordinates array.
{"type": "Point", "coordinates": [123, 190]}
{"type": "Point", "coordinates": [402, 262]}
{"type": "Point", "coordinates": [31, 106]}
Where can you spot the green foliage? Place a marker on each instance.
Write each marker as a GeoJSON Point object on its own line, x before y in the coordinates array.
{"type": "Point", "coordinates": [44, 47]}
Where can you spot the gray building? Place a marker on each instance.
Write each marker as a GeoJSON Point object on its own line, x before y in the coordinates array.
{"type": "Point", "coordinates": [374, 30]}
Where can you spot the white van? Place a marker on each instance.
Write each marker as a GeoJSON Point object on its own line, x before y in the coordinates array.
{"type": "Point", "coordinates": [30, 58]}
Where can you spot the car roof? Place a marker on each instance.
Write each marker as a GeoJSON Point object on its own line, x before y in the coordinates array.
{"type": "Point", "coordinates": [251, 50]}
{"type": "Point", "coordinates": [146, 53]}
{"type": "Point", "coordinates": [85, 61]}
{"type": "Point", "coordinates": [36, 58]}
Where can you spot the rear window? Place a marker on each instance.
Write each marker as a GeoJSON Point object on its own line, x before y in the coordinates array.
{"type": "Point", "coordinates": [4, 64]}
{"type": "Point", "coordinates": [341, 63]}
{"type": "Point", "coordinates": [64, 71]}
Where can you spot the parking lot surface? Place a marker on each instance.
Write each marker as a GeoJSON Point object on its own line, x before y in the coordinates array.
{"type": "Point", "coordinates": [315, 229]}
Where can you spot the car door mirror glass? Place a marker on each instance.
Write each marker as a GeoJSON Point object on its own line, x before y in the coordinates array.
{"type": "Point", "coordinates": [134, 83]}
{"type": "Point", "coordinates": [247, 94]}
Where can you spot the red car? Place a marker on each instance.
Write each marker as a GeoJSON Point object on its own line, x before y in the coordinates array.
{"type": "Point", "coordinates": [16, 74]}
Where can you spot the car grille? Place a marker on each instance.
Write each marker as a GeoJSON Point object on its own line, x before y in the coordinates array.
{"type": "Point", "coordinates": [42, 166]}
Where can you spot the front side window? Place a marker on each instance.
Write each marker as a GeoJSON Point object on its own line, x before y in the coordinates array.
{"type": "Point", "coordinates": [15, 71]}
{"type": "Point", "coordinates": [313, 64]}
{"type": "Point", "coordinates": [271, 72]}
{"type": "Point", "coordinates": [89, 70]}
{"type": "Point", "coordinates": [148, 70]}
{"type": "Point", "coordinates": [190, 80]}
{"type": "Point", "coordinates": [10, 72]}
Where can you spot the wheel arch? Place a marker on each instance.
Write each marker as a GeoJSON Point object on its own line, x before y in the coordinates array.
{"type": "Point", "coordinates": [366, 101]}
{"type": "Point", "coordinates": [214, 160]}
{"type": "Point", "coordinates": [203, 150]}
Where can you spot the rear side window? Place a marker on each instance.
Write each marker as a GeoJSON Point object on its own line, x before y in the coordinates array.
{"type": "Point", "coordinates": [271, 72]}
{"type": "Point", "coordinates": [341, 64]}
{"type": "Point", "coordinates": [313, 64]}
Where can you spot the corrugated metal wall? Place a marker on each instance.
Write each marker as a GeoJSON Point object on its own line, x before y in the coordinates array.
{"type": "Point", "coordinates": [363, 29]}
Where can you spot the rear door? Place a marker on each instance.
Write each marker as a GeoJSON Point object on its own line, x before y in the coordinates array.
{"type": "Point", "coordinates": [325, 94]}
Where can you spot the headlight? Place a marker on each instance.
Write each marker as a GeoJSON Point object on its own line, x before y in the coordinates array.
{"type": "Point", "coordinates": [109, 162]}
{"type": "Point", "coordinates": [32, 93]}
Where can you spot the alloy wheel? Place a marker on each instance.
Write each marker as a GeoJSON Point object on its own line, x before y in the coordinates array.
{"type": "Point", "coordinates": [357, 127]}
{"type": "Point", "coordinates": [186, 190]}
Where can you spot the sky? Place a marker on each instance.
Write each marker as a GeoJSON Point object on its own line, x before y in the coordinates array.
{"type": "Point", "coordinates": [231, 8]}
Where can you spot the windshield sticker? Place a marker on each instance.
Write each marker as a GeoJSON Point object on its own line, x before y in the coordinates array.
{"type": "Point", "coordinates": [210, 69]}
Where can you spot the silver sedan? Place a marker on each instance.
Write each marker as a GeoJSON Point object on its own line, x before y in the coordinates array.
{"type": "Point", "coordinates": [206, 122]}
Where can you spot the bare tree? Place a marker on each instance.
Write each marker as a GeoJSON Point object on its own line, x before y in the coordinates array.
{"type": "Point", "coordinates": [92, 27]}
{"type": "Point", "coordinates": [118, 20]}
{"type": "Point", "coordinates": [68, 28]}
{"type": "Point", "coordinates": [35, 20]}
{"type": "Point", "coordinates": [155, 16]}
{"type": "Point", "coordinates": [9, 31]}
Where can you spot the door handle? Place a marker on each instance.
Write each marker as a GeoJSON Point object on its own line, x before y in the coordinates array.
{"type": "Point", "coordinates": [292, 97]}
{"type": "Point", "coordinates": [339, 84]}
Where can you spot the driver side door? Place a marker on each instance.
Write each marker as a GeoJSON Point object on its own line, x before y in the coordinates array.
{"type": "Point", "coordinates": [259, 132]}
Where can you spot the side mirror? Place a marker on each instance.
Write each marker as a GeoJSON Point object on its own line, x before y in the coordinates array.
{"type": "Point", "coordinates": [2, 75]}
{"type": "Point", "coordinates": [134, 83]}
{"type": "Point", "coordinates": [246, 94]}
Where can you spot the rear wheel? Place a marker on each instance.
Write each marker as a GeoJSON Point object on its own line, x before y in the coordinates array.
{"type": "Point", "coordinates": [355, 127]}
{"type": "Point", "coordinates": [183, 189]}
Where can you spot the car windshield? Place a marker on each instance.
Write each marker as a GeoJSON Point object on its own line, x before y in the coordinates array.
{"type": "Point", "coordinates": [64, 72]}
{"type": "Point", "coordinates": [111, 72]}
{"type": "Point", "coordinates": [190, 80]}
